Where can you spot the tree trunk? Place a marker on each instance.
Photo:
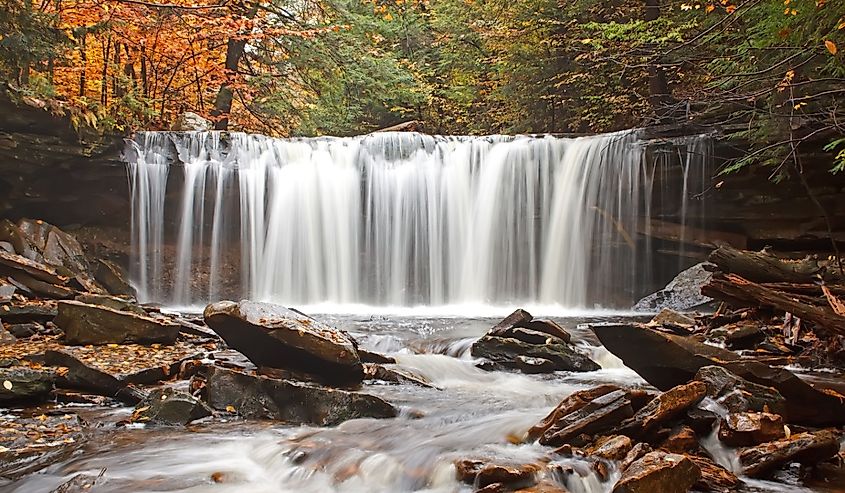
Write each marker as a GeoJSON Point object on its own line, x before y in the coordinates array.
{"type": "Point", "coordinates": [225, 96]}
{"type": "Point", "coordinates": [658, 86]}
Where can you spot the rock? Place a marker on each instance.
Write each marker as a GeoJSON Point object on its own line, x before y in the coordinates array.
{"type": "Point", "coordinates": [7, 290]}
{"type": "Point", "coordinates": [81, 483]}
{"type": "Point", "coordinates": [484, 474]}
{"type": "Point", "coordinates": [112, 302]}
{"type": "Point", "coordinates": [170, 407]}
{"type": "Point", "coordinates": [683, 293]}
{"type": "Point", "coordinates": [806, 448]}
{"type": "Point", "coordinates": [22, 331]}
{"type": "Point", "coordinates": [505, 352]}
{"type": "Point", "coordinates": [28, 311]}
{"type": "Point", "coordinates": [57, 248]}
{"type": "Point", "coordinates": [681, 441]}
{"type": "Point", "coordinates": [522, 319]}
{"type": "Point", "coordinates": [190, 122]}
{"type": "Point", "coordinates": [274, 336]}
{"type": "Point", "coordinates": [747, 429]}
{"type": "Point", "coordinates": [32, 286]}
{"type": "Point", "coordinates": [15, 264]}
{"type": "Point", "coordinates": [114, 279]}
{"type": "Point", "coordinates": [24, 385]}
{"type": "Point", "coordinates": [633, 455]}
{"type": "Point", "coordinates": [659, 472]}
{"type": "Point", "coordinates": [612, 448]}
{"type": "Point", "coordinates": [667, 316]}
{"type": "Point", "coordinates": [701, 420]}
{"type": "Point", "coordinates": [295, 402]}
{"type": "Point", "coordinates": [28, 444]}
{"type": "Point", "coordinates": [663, 408]}
{"type": "Point", "coordinates": [93, 324]}
{"type": "Point", "coordinates": [666, 360]}
{"type": "Point", "coordinates": [600, 414]}
{"type": "Point", "coordinates": [372, 357]}
{"type": "Point", "coordinates": [6, 337]}
{"type": "Point", "coordinates": [744, 335]}
{"type": "Point", "coordinates": [86, 377]}
{"type": "Point", "coordinates": [737, 394]}
{"type": "Point", "coordinates": [714, 477]}
{"type": "Point", "coordinates": [393, 374]}
{"type": "Point", "coordinates": [569, 405]}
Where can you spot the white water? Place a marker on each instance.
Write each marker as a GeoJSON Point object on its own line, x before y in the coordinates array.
{"type": "Point", "coordinates": [397, 219]}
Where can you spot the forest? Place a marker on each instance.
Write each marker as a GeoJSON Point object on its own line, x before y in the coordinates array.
{"type": "Point", "coordinates": [771, 71]}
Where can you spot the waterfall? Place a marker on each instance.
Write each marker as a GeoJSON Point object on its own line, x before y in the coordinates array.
{"type": "Point", "coordinates": [398, 219]}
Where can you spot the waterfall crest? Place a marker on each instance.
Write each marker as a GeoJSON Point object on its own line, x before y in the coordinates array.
{"type": "Point", "coordinates": [395, 219]}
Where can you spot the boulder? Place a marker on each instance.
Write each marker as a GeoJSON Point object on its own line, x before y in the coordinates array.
{"type": "Point", "coordinates": [737, 394]}
{"type": "Point", "coordinates": [113, 302]}
{"type": "Point", "coordinates": [190, 122]}
{"type": "Point", "coordinates": [747, 429]}
{"type": "Point", "coordinates": [806, 448]}
{"type": "Point", "coordinates": [522, 319]}
{"type": "Point", "coordinates": [373, 357]}
{"type": "Point", "coordinates": [569, 405]}
{"type": "Point", "coordinates": [681, 441]}
{"type": "Point", "coordinates": [113, 278]}
{"type": "Point", "coordinates": [13, 264]}
{"type": "Point", "coordinates": [637, 451]}
{"type": "Point", "coordinates": [95, 324]}
{"type": "Point", "coordinates": [394, 374]}
{"type": "Point", "coordinates": [24, 385]}
{"type": "Point", "coordinates": [57, 248]}
{"type": "Point", "coordinates": [254, 396]}
{"type": "Point", "coordinates": [87, 377]}
{"type": "Point", "coordinates": [28, 311]}
{"type": "Point", "coordinates": [22, 331]}
{"type": "Point", "coordinates": [484, 474]}
{"type": "Point", "coordinates": [170, 407]}
{"type": "Point", "coordinates": [663, 408]}
{"type": "Point", "coordinates": [666, 360]}
{"type": "Point", "coordinates": [274, 336]}
{"type": "Point", "coordinates": [599, 415]}
{"type": "Point", "coordinates": [713, 476]}
{"type": "Point", "coordinates": [507, 352]}
{"type": "Point", "coordinates": [612, 448]}
{"type": "Point", "coordinates": [659, 472]}
{"type": "Point", "coordinates": [683, 293]}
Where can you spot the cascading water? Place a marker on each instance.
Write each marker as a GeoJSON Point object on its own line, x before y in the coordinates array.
{"type": "Point", "coordinates": [395, 219]}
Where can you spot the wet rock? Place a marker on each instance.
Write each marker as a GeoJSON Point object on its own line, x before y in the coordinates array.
{"type": "Point", "coordinates": [666, 360]}
{"type": "Point", "coordinates": [668, 316]}
{"type": "Point", "coordinates": [395, 375]}
{"type": "Point", "coordinates": [373, 357]}
{"type": "Point", "coordinates": [170, 407]}
{"type": "Point", "coordinates": [747, 429]}
{"type": "Point", "coordinates": [714, 477]}
{"type": "Point", "coordinates": [737, 394]}
{"type": "Point", "coordinates": [483, 474]}
{"type": "Point", "coordinates": [744, 336]}
{"type": "Point", "coordinates": [637, 451]}
{"type": "Point", "coordinates": [295, 402]}
{"type": "Point", "coordinates": [806, 448]}
{"type": "Point", "coordinates": [682, 440]}
{"type": "Point", "coordinates": [505, 352]}
{"type": "Point", "coordinates": [190, 122]}
{"type": "Point", "coordinates": [57, 248]}
{"type": "Point", "coordinates": [81, 483]}
{"type": "Point", "coordinates": [113, 302]}
{"type": "Point", "coordinates": [86, 377]}
{"type": "Point", "coordinates": [28, 444]}
{"type": "Point", "coordinates": [6, 337]}
{"type": "Point", "coordinates": [683, 293]}
{"type": "Point", "coordinates": [113, 278]}
{"type": "Point", "coordinates": [663, 408]}
{"type": "Point", "coordinates": [522, 319]}
{"type": "Point", "coordinates": [599, 415]}
{"type": "Point", "coordinates": [13, 264]}
{"type": "Point", "coordinates": [7, 289]}
{"type": "Point", "coordinates": [22, 331]}
{"type": "Point", "coordinates": [274, 336]}
{"type": "Point", "coordinates": [93, 324]}
{"type": "Point", "coordinates": [63, 396]}
{"type": "Point", "coordinates": [24, 385]}
{"type": "Point", "coordinates": [659, 472]}
{"type": "Point", "coordinates": [701, 420]}
{"type": "Point", "coordinates": [570, 404]}
{"type": "Point", "coordinates": [613, 448]}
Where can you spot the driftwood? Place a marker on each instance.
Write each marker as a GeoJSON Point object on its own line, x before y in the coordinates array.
{"type": "Point", "coordinates": [763, 267]}
{"type": "Point", "coordinates": [739, 291]}
{"type": "Point", "coordinates": [411, 126]}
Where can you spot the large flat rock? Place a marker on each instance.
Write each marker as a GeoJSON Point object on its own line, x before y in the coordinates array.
{"type": "Point", "coordinates": [274, 336]}
{"type": "Point", "coordinates": [666, 360]}
{"type": "Point", "coordinates": [96, 324]}
{"type": "Point", "coordinates": [254, 396]}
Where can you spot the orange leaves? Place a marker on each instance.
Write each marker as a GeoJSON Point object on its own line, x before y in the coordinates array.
{"type": "Point", "coordinates": [831, 46]}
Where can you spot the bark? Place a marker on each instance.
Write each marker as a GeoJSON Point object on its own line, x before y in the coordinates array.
{"type": "Point", "coordinates": [764, 267]}
{"type": "Point", "coordinates": [225, 96]}
{"type": "Point", "coordinates": [658, 86]}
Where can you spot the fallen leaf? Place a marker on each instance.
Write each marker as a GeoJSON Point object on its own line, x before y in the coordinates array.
{"type": "Point", "coordinates": [7, 385]}
{"type": "Point", "coordinates": [231, 409]}
{"type": "Point", "coordinates": [831, 46]}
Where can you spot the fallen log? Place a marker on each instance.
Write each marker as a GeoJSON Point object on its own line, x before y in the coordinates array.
{"type": "Point", "coordinates": [737, 290]}
{"type": "Point", "coordinates": [763, 267]}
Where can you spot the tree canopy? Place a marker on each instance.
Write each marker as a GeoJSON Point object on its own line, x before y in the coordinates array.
{"type": "Point", "coordinates": [771, 71]}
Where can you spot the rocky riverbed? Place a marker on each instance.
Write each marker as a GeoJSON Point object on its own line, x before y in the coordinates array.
{"type": "Point", "coordinates": [100, 393]}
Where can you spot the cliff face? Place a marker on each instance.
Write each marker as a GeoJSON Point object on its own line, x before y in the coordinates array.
{"type": "Point", "coordinates": [53, 171]}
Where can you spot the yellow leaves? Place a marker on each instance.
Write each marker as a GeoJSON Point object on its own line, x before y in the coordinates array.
{"type": "Point", "coordinates": [710, 8]}
{"type": "Point", "coordinates": [231, 409]}
{"type": "Point", "coordinates": [730, 9]}
{"type": "Point", "coordinates": [790, 12]}
{"type": "Point", "coordinates": [831, 46]}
